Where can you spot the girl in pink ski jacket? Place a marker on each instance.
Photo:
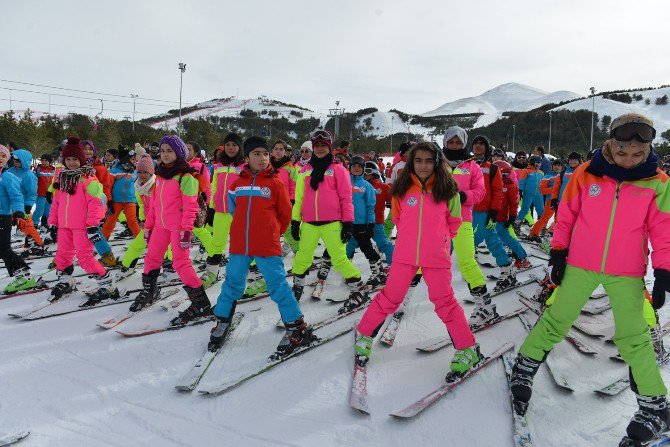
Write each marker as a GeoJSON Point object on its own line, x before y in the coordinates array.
{"type": "Point", "coordinates": [427, 211]}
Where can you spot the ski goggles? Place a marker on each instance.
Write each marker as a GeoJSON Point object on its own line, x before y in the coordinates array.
{"type": "Point", "coordinates": [370, 171]}
{"type": "Point", "coordinates": [641, 132]}
{"type": "Point", "coordinates": [321, 135]}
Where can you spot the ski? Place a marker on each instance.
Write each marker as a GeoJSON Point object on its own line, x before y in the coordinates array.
{"type": "Point", "coordinates": [359, 388]}
{"type": "Point", "coordinates": [124, 316]}
{"type": "Point", "coordinates": [621, 384]}
{"type": "Point", "coordinates": [6, 440]}
{"type": "Point", "coordinates": [520, 430]}
{"type": "Point", "coordinates": [318, 289]}
{"type": "Point", "coordinates": [468, 299]}
{"type": "Point", "coordinates": [426, 401]}
{"type": "Point", "coordinates": [446, 341]}
{"type": "Point", "coordinates": [589, 310]}
{"type": "Point", "coordinates": [391, 330]}
{"type": "Point", "coordinates": [38, 288]}
{"type": "Point", "coordinates": [192, 378]}
{"type": "Point", "coordinates": [660, 440]}
{"type": "Point", "coordinates": [269, 365]}
{"type": "Point", "coordinates": [496, 278]}
{"type": "Point", "coordinates": [559, 379]}
{"type": "Point", "coordinates": [148, 329]}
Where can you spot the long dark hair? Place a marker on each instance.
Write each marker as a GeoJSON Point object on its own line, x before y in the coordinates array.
{"type": "Point", "coordinates": [225, 160]}
{"type": "Point", "coordinates": [444, 186]}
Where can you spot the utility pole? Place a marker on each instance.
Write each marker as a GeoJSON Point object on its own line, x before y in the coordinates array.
{"type": "Point", "coordinates": [133, 96]}
{"type": "Point", "coordinates": [336, 113]}
{"type": "Point", "coordinates": [593, 108]}
{"type": "Point", "coordinates": [392, 118]}
{"type": "Point", "coordinates": [513, 136]}
{"type": "Point", "coordinates": [549, 149]}
{"type": "Point", "coordinates": [182, 69]}
{"type": "Point", "coordinates": [11, 109]}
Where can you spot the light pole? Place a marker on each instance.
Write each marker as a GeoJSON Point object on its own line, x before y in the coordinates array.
{"type": "Point", "coordinates": [182, 69]}
{"type": "Point", "coordinates": [549, 149]}
{"type": "Point", "coordinates": [11, 109]}
{"type": "Point", "coordinates": [593, 108]}
{"type": "Point", "coordinates": [392, 118]}
{"type": "Point", "coordinates": [513, 136]}
{"type": "Point", "coordinates": [133, 96]}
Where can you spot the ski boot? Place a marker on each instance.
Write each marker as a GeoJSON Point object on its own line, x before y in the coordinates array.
{"type": "Point", "coordinates": [108, 260]}
{"type": "Point", "coordinates": [124, 272]}
{"type": "Point", "coordinates": [107, 290]}
{"type": "Point", "coordinates": [211, 274]}
{"type": "Point", "coordinates": [657, 342]}
{"type": "Point", "coordinates": [34, 251]}
{"type": "Point", "coordinates": [545, 291]}
{"type": "Point", "coordinates": [149, 293]}
{"type": "Point", "coordinates": [650, 422]}
{"type": "Point", "coordinates": [65, 286]}
{"type": "Point", "coordinates": [324, 268]}
{"type": "Point", "coordinates": [220, 331]}
{"type": "Point", "coordinates": [536, 239]}
{"type": "Point", "coordinates": [298, 286]}
{"type": "Point", "coordinates": [357, 296]}
{"type": "Point", "coordinates": [125, 234]}
{"type": "Point", "coordinates": [523, 372]}
{"type": "Point", "coordinates": [200, 307]}
{"type": "Point", "coordinates": [517, 228]}
{"type": "Point", "coordinates": [167, 266]}
{"type": "Point", "coordinates": [484, 312]}
{"type": "Point", "coordinates": [363, 349]}
{"type": "Point", "coordinates": [23, 281]}
{"type": "Point", "coordinates": [521, 264]}
{"type": "Point", "coordinates": [464, 360]}
{"type": "Point", "coordinates": [297, 334]}
{"type": "Point", "coordinates": [506, 279]}
{"type": "Point", "coordinates": [378, 277]}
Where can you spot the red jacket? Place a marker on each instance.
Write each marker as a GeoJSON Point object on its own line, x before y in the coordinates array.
{"type": "Point", "coordinates": [263, 199]}
{"type": "Point", "coordinates": [44, 178]}
{"type": "Point", "coordinates": [104, 177]}
{"type": "Point", "coordinates": [493, 198]}
{"type": "Point", "coordinates": [510, 201]}
{"type": "Point", "coordinates": [383, 195]}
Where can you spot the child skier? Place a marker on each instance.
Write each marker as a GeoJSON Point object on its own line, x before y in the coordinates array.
{"type": "Point", "coordinates": [12, 213]}
{"type": "Point", "coordinates": [529, 189]}
{"type": "Point", "coordinates": [426, 209]}
{"type": "Point", "coordinates": [45, 174]}
{"type": "Point", "coordinates": [324, 210]}
{"type": "Point", "coordinates": [28, 182]}
{"type": "Point", "coordinates": [123, 193]}
{"type": "Point", "coordinates": [549, 189]}
{"type": "Point", "coordinates": [612, 208]}
{"type": "Point", "coordinates": [169, 221]}
{"type": "Point", "coordinates": [261, 212]}
{"type": "Point", "coordinates": [507, 216]}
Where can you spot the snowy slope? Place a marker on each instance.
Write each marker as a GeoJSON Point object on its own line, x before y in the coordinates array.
{"type": "Point", "coordinates": [73, 384]}
{"type": "Point", "coordinates": [384, 124]}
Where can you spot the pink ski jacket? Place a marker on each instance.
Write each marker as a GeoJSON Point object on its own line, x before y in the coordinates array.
{"type": "Point", "coordinates": [606, 225]}
{"type": "Point", "coordinates": [203, 172]}
{"type": "Point", "coordinates": [470, 180]}
{"type": "Point", "coordinates": [425, 228]}
{"type": "Point", "coordinates": [80, 210]}
{"type": "Point", "coordinates": [286, 174]}
{"type": "Point", "coordinates": [223, 177]}
{"type": "Point", "coordinates": [173, 204]}
{"type": "Point", "coordinates": [331, 202]}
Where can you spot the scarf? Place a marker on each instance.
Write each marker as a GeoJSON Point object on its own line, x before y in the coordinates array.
{"type": "Point", "coordinates": [225, 160]}
{"type": "Point", "coordinates": [276, 164]}
{"type": "Point", "coordinates": [69, 178]}
{"type": "Point", "coordinates": [144, 189]}
{"type": "Point", "coordinates": [600, 166]}
{"type": "Point", "coordinates": [456, 155]}
{"type": "Point", "coordinates": [519, 165]}
{"type": "Point", "coordinates": [319, 166]}
{"type": "Point", "coordinates": [178, 167]}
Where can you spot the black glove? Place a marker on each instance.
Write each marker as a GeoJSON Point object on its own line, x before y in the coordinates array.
{"type": "Point", "coordinates": [347, 231]}
{"type": "Point", "coordinates": [295, 230]}
{"type": "Point", "coordinates": [18, 215]}
{"type": "Point", "coordinates": [53, 231]}
{"type": "Point", "coordinates": [661, 285]}
{"type": "Point", "coordinates": [388, 205]}
{"type": "Point", "coordinates": [510, 221]}
{"type": "Point", "coordinates": [554, 204]}
{"type": "Point", "coordinates": [520, 195]}
{"type": "Point", "coordinates": [110, 207]}
{"type": "Point", "coordinates": [50, 197]}
{"type": "Point", "coordinates": [210, 216]}
{"type": "Point", "coordinates": [27, 209]}
{"type": "Point", "coordinates": [93, 234]}
{"type": "Point", "coordinates": [557, 260]}
{"type": "Point", "coordinates": [491, 218]}
{"type": "Point", "coordinates": [463, 196]}
{"type": "Point", "coordinates": [370, 233]}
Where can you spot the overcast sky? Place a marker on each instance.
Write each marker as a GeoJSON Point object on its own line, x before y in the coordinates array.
{"type": "Point", "coordinates": [411, 55]}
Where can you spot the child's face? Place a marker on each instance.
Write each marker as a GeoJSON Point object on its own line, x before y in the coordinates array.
{"type": "Point", "coordinates": [478, 148]}
{"type": "Point", "coordinates": [454, 144]}
{"type": "Point", "coordinates": [45, 162]}
{"type": "Point", "coordinates": [72, 162]}
{"type": "Point", "coordinates": [557, 168]}
{"type": "Point", "coordinates": [320, 149]}
{"type": "Point", "coordinates": [167, 154]}
{"type": "Point", "coordinates": [231, 149]}
{"type": "Point", "coordinates": [88, 150]}
{"type": "Point", "coordinates": [17, 163]}
{"type": "Point", "coordinates": [424, 164]}
{"type": "Point", "coordinates": [357, 170]}
{"type": "Point", "coordinates": [628, 154]}
{"type": "Point", "coordinates": [278, 151]}
{"type": "Point", "coordinates": [109, 157]}
{"type": "Point", "coordinates": [368, 177]}
{"type": "Point", "coordinates": [573, 163]}
{"type": "Point", "coordinates": [3, 159]}
{"type": "Point", "coordinates": [143, 176]}
{"type": "Point", "coordinates": [191, 152]}
{"type": "Point", "coordinates": [258, 159]}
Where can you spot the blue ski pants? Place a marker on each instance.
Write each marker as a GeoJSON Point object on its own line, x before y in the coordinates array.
{"type": "Point", "coordinates": [510, 241]}
{"type": "Point", "coordinates": [527, 201]}
{"type": "Point", "coordinates": [42, 208]}
{"type": "Point", "coordinates": [490, 236]}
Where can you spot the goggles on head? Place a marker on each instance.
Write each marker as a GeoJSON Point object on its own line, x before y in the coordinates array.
{"type": "Point", "coordinates": [641, 132]}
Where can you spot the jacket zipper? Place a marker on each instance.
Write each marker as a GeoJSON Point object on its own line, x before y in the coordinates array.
{"type": "Point", "coordinates": [162, 206]}
{"type": "Point", "coordinates": [225, 189]}
{"type": "Point", "coordinates": [609, 229]}
{"type": "Point", "coordinates": [251, 195]}
{"type": "Point", "coordinates": [67, 206]}
{"type": "Point", "coordinates": [418, 239]}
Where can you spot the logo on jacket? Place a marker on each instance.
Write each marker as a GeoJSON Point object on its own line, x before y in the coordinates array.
{"type": "Point", "coordinates": [411, 201]}
{"type": "Point", "coordinates": [465, 171]}
{"type": "Point", "coordinates": [358, 189]}
{"type": "Point", "coordinates": [265, 191]}
{"type": "Point", "coordinates": [329, 172]}
{"type": "Point", "coordinates": [485, 170]}
{"type": "Point", "coordinates": [378, 191]}
{"type": "Point", "coordinates": [594, 190]}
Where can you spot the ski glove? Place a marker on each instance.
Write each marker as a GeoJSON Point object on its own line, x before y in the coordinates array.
{"type": "Point", "coordinates": [49, 197]}
{"type": "Point", "coordinates": [510, 221]}
{"type": "Point", "coordinates": [110, 207]}
{"type": "Point", "coordinates": [210, 216]}
{"type": "Point", "coordinates": [491, 219]}
{"type": "Point", "coordinates": [557, 260]}
{"type": "Point", "coordinates": [370, 231]}
{"type": "Point", "coordinates": [147, 235]}
{"type": "Point", "coordinates": [27, 209]}
{"type": "Point", "coordinates": [53, 232]}
{"type": "Point", "coordinates": [463, 196]}
{"type": "Point", "coordinates": [185, 239]}
{"type": "Point", "coordinates": [295, 230]}
{"type": "Point", "coordinates": [661, 285]}
{"type": "Point", "coordinates": [346, 232]}
{"type": "Point", "coordinates": [554, 204]}
{"type": "Point", "coordinates": [93, 234]}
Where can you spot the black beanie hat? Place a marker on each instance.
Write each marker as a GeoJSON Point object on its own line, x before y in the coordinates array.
{"type": "Point", "coordinates": [252, 143]}
{"type": "Point", "coordinates": [575, 156]}
{"type": "Point", "coordinates": [235, 138]}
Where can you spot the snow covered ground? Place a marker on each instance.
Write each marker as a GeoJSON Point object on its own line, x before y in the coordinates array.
{"type": "Point", "coordinates": [74, 384]}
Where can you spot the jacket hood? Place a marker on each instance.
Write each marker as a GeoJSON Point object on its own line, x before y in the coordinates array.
{"type": "Point", "coordinates": [24, 157]}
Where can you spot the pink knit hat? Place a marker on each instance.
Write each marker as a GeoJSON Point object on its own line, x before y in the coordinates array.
{"type": "Point", "coordinates": [5, 151]}
{"type": "Point", "coordinates": [145, 164]}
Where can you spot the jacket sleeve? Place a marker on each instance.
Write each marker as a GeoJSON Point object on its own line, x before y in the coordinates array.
{"type": "Point", "coordinates": [212, 188]}
{"type": "Point", "coordinates": [344, 194]}
{"type": "Point", "coordinates": [513, 199]}
{"type": "Point", "coordinates": [477, 189]}
{"type": "Point", "coordinates": [568, 210]}
{"type": "Point", "coordinates": [94, 209]}
{"type": "Point", "coordinates": [497, 191]}
{"type": "Point", "coordinates": [299, 194]}
{"type": "Point", "coordinates": [522, 180]}
{"type": "Point", "coordinates": [188, 186]}
{"type": "Point", "coordinates": [545, 189]}
{"type": "Point", "coordinates": [13, 187]}
{"type": "Point", "coordinates": [658, 224]}
{"type": "Point", "coordinates": [370, 200]}
{"type": "Point", "coordinates": [454, 215]}
{"type": "Point", "coordinates": [149, 212]}
{"type": "Point", "coordinates": [53, 213]}
{"type": "Point", "coordinates": [231, 198]}
{"type": "Point", "coordinates": [206, 183]}
{"type": "Point", "coordinates": [291, 182]}
{"type": "Point", "coordinates": [30, 185]}
{"type": "Point", "coordinates": [106, 179]}
{"type": "Point", "coordinates": [396, 209]}
{"type": "Point", "coordinates": [283, 206]}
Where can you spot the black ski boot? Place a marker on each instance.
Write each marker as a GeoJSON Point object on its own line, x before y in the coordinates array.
{"type": "Point", "coordinates": [298, 286]}
{"type": "Point", "coordinates": [200, 306]}
{"type": "Point", "coordinates": [297, 334]}
{"type": "Point", "coordinates": [149, 292]}
{"type": "Point", "coordinates": [66, 284]}
{"type": "Point", "coordinates": [378, 275]}
{"type": "Point", "coordinates": [506, 279]}
{"type": "Point", "coordinates": [649, 422]}
{"type": "Point", "coordinates": [220, 331]}
{"type": "Point", "coordinates": [523, 372]}
{"type": "Point", "coordinates": [357, 297]}
{"type": "Point", "coordinates": [484, 312]}
{"type": "Point", "coordinates": [106, 290]}
{"type": "Point", "coordinates": [324, 268]}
